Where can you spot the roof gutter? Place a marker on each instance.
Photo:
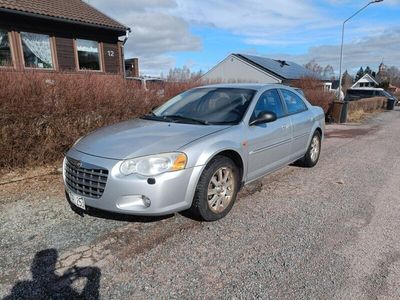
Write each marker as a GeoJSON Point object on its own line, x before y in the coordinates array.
{"type": "Point", "coordinates": [73, 22]}
{"type": "Point", "coordinates": [128, 31]}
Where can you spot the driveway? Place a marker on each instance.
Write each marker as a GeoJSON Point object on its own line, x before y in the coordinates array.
{"type": "Point", "coordinates": [331, 232]}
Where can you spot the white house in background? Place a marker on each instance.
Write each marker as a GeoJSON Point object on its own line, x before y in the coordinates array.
{"type": "Point", "coordinates": [366, 81]}
{"type": "Point", "coordinates": [257, 69]}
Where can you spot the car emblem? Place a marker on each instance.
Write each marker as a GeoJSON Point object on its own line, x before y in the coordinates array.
{"type": "Point", "coordinates": [76, 163]}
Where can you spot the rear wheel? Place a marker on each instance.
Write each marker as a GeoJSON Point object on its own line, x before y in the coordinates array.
{"type": "Point", "coordinates": [216, 190]}
{"type": "Point", "coordinates": [311, 158]}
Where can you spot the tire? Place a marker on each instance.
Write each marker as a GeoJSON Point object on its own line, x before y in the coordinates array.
{"type": "Point", "coordinates": [214, 196]}
{"type": "Point", "coordinates": [311, 157]}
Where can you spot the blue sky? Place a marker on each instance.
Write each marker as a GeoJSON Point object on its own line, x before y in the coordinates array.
{"type": "Point", "coordinates": [169, 33]}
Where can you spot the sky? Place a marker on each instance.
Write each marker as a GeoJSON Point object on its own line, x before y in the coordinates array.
{"type": "Point", "coordinates": [199, 34]}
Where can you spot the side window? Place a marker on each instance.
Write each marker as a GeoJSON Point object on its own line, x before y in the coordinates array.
{"type": "Point", "coordinates": [269, 101]}
{"type": "Point", "coordinates": [293, 102]}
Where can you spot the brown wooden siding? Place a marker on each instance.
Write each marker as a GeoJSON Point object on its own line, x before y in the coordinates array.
{"type": "Point", "coordinates": [111, 58]}
{"type": "Point", "coordinates": [65, 54]}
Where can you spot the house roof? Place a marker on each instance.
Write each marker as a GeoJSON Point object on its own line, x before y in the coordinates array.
{"type": "Point", "coordinates": [281, 68]}
{"type": "Point", "coordinates": [75, 11]}
{"type": "Point", "coordinates": [366, 79]}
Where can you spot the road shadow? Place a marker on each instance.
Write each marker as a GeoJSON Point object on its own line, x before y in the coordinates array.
{"type": "Point", "coordinates": [46, 284]}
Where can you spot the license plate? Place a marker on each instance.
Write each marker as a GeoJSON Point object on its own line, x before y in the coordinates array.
{"type": "Point", "coordinates": [77, 200]}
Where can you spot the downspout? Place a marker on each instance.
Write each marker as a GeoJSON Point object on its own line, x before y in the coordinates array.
{"type": "Point", "coordinates": [123, 50]}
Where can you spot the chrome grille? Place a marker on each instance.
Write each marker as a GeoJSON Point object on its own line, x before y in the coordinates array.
{"type": "Point", "coordinates": [84, 179]}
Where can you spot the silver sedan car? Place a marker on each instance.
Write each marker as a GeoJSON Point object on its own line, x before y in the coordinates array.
{"type": "Point", "coordinates": [194, 152]}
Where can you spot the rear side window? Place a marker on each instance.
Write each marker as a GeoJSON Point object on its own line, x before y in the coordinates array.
{"type": "Point", "coordinates": [354, 92]}
{"type": "Point", "coordinates": [269, 101]}
{"type": "Point", "coordinates": [293, 102]}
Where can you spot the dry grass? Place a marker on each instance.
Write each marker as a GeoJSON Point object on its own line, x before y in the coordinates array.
{"type": "Point", "coordinates": [367, 105]}
{"type": "Point", "coordinates": [42, 114]}
{"type": "Point", "coordinates": [360, 109]}
{"type": "Point", "coordinates": [356, 116]}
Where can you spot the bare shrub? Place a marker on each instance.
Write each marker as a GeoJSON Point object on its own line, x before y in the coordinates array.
{"type": "Point", "coordinates": [42, 114]}
{"type": "Point", "coordinates": [315, 92]}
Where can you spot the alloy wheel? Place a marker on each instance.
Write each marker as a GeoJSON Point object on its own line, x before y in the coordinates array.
{"type": "Point", "coordinates": [221, 189]}
{"type": "Point", "coordinates": [315, 148]}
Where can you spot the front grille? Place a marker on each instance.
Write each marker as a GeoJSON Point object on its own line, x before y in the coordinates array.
{"type": "Point", "coordinates": [84, 179]}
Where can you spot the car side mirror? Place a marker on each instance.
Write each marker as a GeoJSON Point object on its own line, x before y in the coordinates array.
{"type": "Point", "coordinates": [264, 117]}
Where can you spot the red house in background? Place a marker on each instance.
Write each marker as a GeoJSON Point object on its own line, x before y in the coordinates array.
{"type": "Point", "coordinates": [58, 35]}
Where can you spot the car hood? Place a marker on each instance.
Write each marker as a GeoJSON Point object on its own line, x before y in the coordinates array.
{"type": "Point", "coordinates": [139, 137]}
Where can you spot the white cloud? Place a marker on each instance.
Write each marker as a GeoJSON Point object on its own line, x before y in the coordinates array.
{"type": "Point", "coordinates": [156, 33]}
{"type": "Point", "coordinates": [367, 51]}
{"type": "Point", "coordinates": [253, 19]}
{"type": "Point", "coordinates": [161, 28]}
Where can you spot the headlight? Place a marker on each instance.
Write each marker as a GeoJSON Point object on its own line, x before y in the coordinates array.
{"type": "Point", "coordinates": [154, 164]}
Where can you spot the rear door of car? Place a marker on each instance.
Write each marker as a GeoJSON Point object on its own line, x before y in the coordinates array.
{"type": "Point", "coordinates": [268, 144]}
{"type": "Point", "coordinates": [302, 120]}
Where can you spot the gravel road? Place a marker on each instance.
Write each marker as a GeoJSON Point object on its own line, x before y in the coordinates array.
{"type": "Point", "coordinates": [331, 232]}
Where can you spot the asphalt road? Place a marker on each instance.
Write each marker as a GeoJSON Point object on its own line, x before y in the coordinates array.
{"type": "Point", "coordinates": [331, 232]}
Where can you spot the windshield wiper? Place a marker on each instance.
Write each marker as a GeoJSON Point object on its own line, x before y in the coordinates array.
{"type": "Point", "coordinates": [180, 117]}
{"type": "Point", "coordinates": [152, 116]}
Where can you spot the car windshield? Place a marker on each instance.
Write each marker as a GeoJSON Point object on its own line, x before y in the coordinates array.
{"type": "Point", "coordinates": [206, 106]}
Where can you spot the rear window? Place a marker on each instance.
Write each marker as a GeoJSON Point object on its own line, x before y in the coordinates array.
{"type": "Point", "coordinates": [354, 92]}
{"type": "Point", "coordinates": [360, 92]}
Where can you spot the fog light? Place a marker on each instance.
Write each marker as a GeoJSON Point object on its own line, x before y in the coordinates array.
{"type": "Point", "coordinates": [146, 201]}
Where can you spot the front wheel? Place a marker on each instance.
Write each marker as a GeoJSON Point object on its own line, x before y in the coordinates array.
{"type": "Point", "coordinates": [216, 190]}
{"type": "Point", "coordinates": [311, 157]}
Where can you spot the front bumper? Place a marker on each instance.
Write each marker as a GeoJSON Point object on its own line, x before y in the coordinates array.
{"type": "Point", "coordinates": [171, 192]}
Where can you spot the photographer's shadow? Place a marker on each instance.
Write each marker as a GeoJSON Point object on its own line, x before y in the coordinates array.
{"type": "Point", "coordinates": [46, 284]}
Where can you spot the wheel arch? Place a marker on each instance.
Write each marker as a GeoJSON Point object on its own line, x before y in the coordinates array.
{"type": "Point", "coordinates": [237, 159]}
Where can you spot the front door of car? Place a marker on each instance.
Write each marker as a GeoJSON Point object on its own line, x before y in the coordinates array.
{"type": "Point", "coordinates": [302, 120]}
{"type": "Point", "coordinates": [268, 144]}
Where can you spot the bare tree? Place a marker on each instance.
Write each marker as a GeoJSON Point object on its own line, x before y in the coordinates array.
{"type": "Point", "coordinates": [329, 72]}
{"type": "Point", "coordinates": [315, 67]}
{"type": "Point", "coordinates": [183, 74]}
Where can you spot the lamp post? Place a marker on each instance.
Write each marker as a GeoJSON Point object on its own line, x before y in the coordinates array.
{"type": "Point", "coordinates": [341, 48]}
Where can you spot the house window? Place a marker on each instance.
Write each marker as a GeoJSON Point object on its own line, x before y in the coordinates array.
{"type": "Point", "coordinates": [5, 50]}
{"type": "Point", "coordinates": [88, 55]}
{"type": "Point", "coordinates": [37, 50]}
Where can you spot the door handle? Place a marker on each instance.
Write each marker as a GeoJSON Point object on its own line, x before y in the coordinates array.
{"type": "Point", "coordinates": [285, 126]}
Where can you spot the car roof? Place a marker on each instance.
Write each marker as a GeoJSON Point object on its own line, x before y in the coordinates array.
{"type": "Point", "coordinates": [250, 86]}
{"type": "Point", "coordinates": [366, 89]}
